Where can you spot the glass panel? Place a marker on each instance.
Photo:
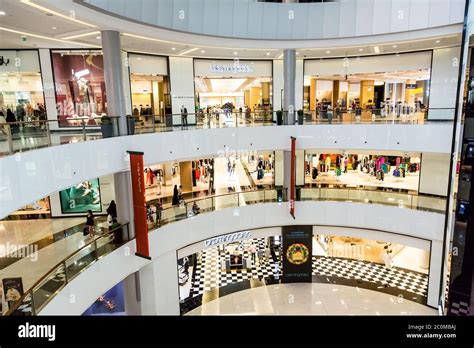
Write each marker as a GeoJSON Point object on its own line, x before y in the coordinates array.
{"type": "Point", "coordinates": [80, 260]}
{"type": "Point", "coordinates": [334, 194]}
{"type": "Point", "coordinates": [44, 291]}
{"type": "Point", "coordinates": [271, 196]}
{"type": "Point", "coordinates": [429, 203]}
{"type": "Point", "coordinates": [310, 194]}
{"type": "Point", "coordinates": [253, 197]}
{"type": "Point", "coordinates": [226, 201]}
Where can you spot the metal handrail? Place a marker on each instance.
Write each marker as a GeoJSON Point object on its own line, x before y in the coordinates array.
{"type": "Point", "coordinates": [61, 263]}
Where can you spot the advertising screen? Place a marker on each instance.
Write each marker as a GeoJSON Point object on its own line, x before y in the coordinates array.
{"type": "Point", "coordinates": [81, 197]}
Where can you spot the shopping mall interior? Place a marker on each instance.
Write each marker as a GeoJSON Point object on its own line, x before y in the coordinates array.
{"type": "Point", "coordinates": [203, 158]}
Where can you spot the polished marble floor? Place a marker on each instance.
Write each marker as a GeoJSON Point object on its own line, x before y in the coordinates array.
{"type": "Point", "coordinates": [310, 299]}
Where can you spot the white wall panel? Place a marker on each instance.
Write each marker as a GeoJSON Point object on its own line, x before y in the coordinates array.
{"type": "Point", "coordinates": [211, 11]}
{"type": "Point", "coordinates": [102, 275]}
{"type": "Point", "coordinates": [434, 173]}
{"type": "Point", "coordinates": [347, 18]}
{"type": "Point", "coordinates": [400, 15]}
{"type": "Point", "coordinates": [382, 16]}
{"type": "Point", "coordinates": [443, 85]}
{"type": "Point", "coordinates": [364, 15]}
{"type": "Point", "coordinates": [149, 11]}
{"type": "Point", "coordinates": [196, 16]}
{"type": "Point", "coordinates": [180, 14]}
{"type": "Point", "coordinates": [42, 172]}
{"type": "Point", "coordinates": [278, 84]}
{"type": "Point", "coordinates": [419, 14]}
{"type": "Point", "coordinates": [285, 21]}
{"type": "Point", "coordinates": [269, 20]}
{"type": "Point", "coordinates": [456, 11]}
{"type": "Point", "coordinates": [299, 84]}
{"type": "Point", "coordinates": [182, 87]}
{"type": "Point", "coordinates": [388, 63]}
{"type": "Point", "coordinates": [240, 18]}
{"type": "Point", "coordinates": [225, 18]}
{"type": "Point", "coordinates": [439, 13]}
{"type": "Point", "coordinates": [331, 20]}
{"type": "Point", "coordinates": [48, 87]}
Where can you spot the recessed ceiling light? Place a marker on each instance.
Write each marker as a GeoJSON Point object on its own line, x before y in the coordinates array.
{"type": "Point", "coordinates": [297, 53]}
{"type": "Point", "coordinates": [2, 13]}
{"type": "Point", "coordinates": [437, 41]}
{"type": "Point", "coordinates": [361, 49]}
{"type": "Point", "coordinates": [328, 51]}
{"type": "Point", "coordinates": [173, 48]}
{"type": "Point", "coordinates": [394, 46]}
{"type": "Point", "coordinates": [97, 37]}
{"type": "Point", "coordinates": [235, 52]}
{"type": "Point", "coordinates": [203, 51]}
{"type": "Point", "coordinates": [268, 53]}
{"type": "Point", "coordinates": [139, 58]}
{"type": "Point", "coordinates": [54, 28]}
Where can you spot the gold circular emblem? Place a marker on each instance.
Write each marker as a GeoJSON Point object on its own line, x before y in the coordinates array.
{"type": "Point", "coordinates": [297, 253]}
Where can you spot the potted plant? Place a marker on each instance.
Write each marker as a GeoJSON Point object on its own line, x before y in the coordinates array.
{"type": "Point", "coordinates": [107, 127]}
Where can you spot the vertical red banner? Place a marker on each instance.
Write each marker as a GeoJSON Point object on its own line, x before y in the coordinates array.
{"type": "Point", "coordinates": [293, 177]}
{"type": "Point", "coordinates": [139, 204]}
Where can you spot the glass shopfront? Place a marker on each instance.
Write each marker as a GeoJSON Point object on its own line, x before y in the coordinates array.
{"type": "Point", "coordinates": [150, 87]}
{"type": "Point", "coordinates": [80, 86]}
{"type": "Point", "coordinates": [393, 85]}
{"type": "Point", "coordinates": [233, 84]}
{"type": "Point", "coordinates": [21, 88]}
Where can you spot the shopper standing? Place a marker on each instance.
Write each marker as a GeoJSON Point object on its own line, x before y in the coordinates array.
{"type": "Point", "coordinates": [175, 200]}
{"type": "Point", "coordinates": [253, 252]}
{"type": "Point", "coordinates": [90, 223]}
{"type": "Point", "coordinates": [112, 211]}
{"type": "Point", "coordinates": [184, 116]}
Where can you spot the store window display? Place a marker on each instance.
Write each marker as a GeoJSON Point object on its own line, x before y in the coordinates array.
{"type": "Point", "coordinates": [79, 86]}
{"type": "Point", "coordinates": [352, 170]}
{"type": "Point", "coordinates": [21, 88]}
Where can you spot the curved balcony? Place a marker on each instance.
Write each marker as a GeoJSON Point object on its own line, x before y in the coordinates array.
{"type": "Point", "coordinates": [39, 293]}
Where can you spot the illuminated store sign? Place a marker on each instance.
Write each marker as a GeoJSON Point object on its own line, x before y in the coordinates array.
{"type": "Point", "coordinates": [231, 68]}
{"type": "Point", "coordinates": [228, 238]}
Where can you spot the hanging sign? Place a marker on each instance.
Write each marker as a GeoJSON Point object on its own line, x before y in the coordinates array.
{"type": "Point", "coordinates": [139, 204]}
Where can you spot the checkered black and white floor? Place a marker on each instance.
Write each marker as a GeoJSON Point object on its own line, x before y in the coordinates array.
{"type": "Point", "coordinates": [209, 275]}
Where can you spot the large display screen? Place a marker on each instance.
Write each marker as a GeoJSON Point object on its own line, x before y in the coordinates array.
{"type": "Point", "coordinates": [81, 197]}
{"type": "Point", "coordinates": [297, 254]}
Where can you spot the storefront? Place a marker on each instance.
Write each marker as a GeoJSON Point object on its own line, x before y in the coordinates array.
{"type": "Point", "coordinates": [234, 84]}
{"type": "Point", "coordinates": [396, 84]}
{"type": "Point", "coordinates": [150, 87]}
{"type": "Point", "coordinates": [21, 88]}
{"type": "Point", "coordinates": [237, 261]}
{"type": "Point", "coordinates": [363, 170]}
{"type": "Point", "coordinates": [79, 86]}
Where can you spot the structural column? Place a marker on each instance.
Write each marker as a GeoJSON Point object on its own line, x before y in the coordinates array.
{"type": "Point", "coordinates": [116, 106]}
{"type": "Point", "coordinates": [289, 74]}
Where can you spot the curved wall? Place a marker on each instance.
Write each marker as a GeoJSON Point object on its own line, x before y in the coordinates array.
{"type": "Point", "coordinates": [250, 19]}
{"type": "Point", "coordinates": [26, 177]}
{"type": "Point", "coordinates": [161, 271]}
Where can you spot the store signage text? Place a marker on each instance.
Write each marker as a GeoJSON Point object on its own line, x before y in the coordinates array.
{"type": "Point", "coordinates": [228, 238]}
{"type": "Point", "coordinates": [231, 68]}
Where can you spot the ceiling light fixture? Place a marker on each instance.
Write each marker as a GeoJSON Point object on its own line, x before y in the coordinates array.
{"type": "Point", "coordinates": [47, 10]}
{"type": "Point", "coordinates": [203, 51]}
{"type": "Point", "coordinates": [268, 53]}
{"type": "Point", "coordinates": [188, 51]}
{"type": "Point", "coordinates": [376, 49]}
{"type": "Point", "coordinates": [81, 35]}
{"type": "Point", "coordinates": [47, 38]}
{"type": "Point", "coordinates": [361, 49]}
{"type": "Point", "coordinates": [328, 51]}
{"type": "Point", "coordinates": [54, 28]}
{"type": "Point", "coordinates": [437, 41]}
{"type": "Point", "coordinates": [97, 37]}
{"type": "Point", "coordinates": [394, 46]}
{"type": "Point", "coordinates": [173, 48]}
{"type": "Point", "coordinates": [2, 13]}
{"type": "Point", "coordinates": [235, 53]}
{"type": "Point", "coordinates": [297, 53]}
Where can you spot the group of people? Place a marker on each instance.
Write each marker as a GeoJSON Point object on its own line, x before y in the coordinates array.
{"type": "Point", "coordinates": [111, 219]}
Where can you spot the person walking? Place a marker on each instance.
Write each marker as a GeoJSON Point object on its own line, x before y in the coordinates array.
{"type": "Point", "coordinates": [184, 116]}
{"type": "Point", "coordinates": [253, 253]}
{"type": "Point", "coordinates": [112, 211]}
{"type": "Point", "coordinates": [90, 223]}
{"type": "Point", "coordinates": [175, 200]}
